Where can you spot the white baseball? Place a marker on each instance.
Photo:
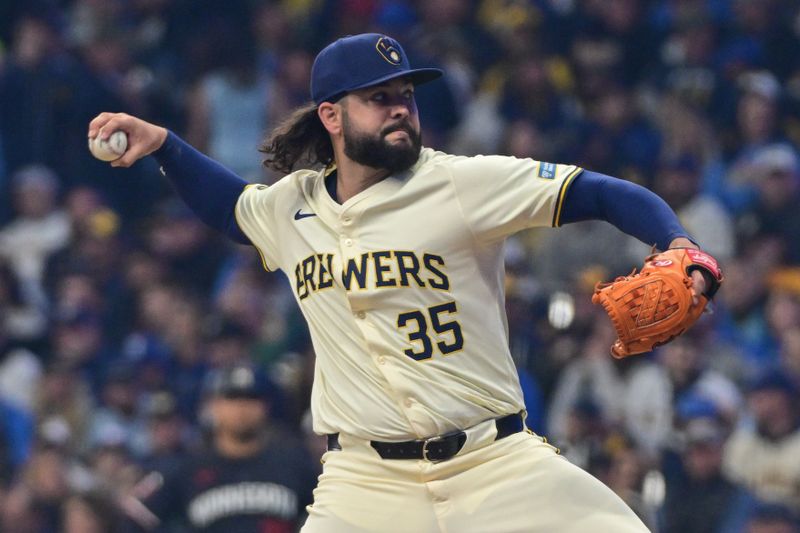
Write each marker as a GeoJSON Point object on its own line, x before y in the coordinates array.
{"type": "Point", "coordinates": [110, 149]}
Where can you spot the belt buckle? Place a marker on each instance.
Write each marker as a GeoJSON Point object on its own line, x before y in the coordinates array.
{"type": "Point", "coordinates": [437, 438]}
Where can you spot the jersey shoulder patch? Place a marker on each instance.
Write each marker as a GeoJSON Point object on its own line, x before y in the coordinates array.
{"type": "Point", "coordinates": [547, 170]}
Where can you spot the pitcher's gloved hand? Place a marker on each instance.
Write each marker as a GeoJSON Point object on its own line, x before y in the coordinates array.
{"type": "Point", "coordinates": [659, 303]}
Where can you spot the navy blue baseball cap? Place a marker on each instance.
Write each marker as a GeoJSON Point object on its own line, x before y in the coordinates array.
{"type": "Point", "coordinates": [238, 381]}
{"type": "Point", "coordinates": [359, 61]}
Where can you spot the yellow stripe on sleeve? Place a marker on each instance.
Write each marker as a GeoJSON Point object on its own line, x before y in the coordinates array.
{"type": "Point", "coordinates": [263, 259]}
{"type": "Point", "coordinates": [562, 193]}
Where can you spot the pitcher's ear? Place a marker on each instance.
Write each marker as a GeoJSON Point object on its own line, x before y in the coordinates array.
{"type": "Point", "coordinates": [330, 115]}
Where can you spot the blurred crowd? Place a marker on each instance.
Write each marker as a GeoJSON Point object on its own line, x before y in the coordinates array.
{"type": "Point", "coordinates": [116, 302]}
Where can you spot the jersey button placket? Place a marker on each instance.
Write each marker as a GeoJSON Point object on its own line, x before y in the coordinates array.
{"type": "Point", "coordinates": [348, 217]}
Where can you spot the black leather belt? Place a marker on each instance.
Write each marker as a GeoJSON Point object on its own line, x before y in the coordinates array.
{"type": "Point", "coordinates": [438, 448]}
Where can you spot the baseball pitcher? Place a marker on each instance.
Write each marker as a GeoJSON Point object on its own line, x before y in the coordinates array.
{"type": "Point", "coordinates": [395, 255]}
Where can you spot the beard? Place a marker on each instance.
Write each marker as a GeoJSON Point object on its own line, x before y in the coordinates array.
{"type": "Point", "coordinates": [376, 152]}
{"type": "Point", "coordinates": [246, 435]}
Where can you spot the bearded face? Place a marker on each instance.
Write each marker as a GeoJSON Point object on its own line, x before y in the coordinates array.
{"type": "Point", "coordinates": [377, 151]}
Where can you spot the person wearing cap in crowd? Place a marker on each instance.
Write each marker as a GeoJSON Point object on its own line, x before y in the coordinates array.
{"type": "Point", "coordinates": [167, 433]}
{"type": "Point", "coordinates": [395, 255]}
{"type": "Point", "coordinates": [698, 495]}
{"type": "Point", "coordinates": [762, 453]}
{"type": "Point", "coordinates": [776, 179]}
{"type": "Point", "coordinates": [227, 345]}
{"type": "Point", "coordinates": [78, 341]}
{"type": "Point", "coordinates": [115, 418]}
{"type": "Point", "coordinates": [250, 478]}
{"type": "Point", "coordinates": [39, 229]}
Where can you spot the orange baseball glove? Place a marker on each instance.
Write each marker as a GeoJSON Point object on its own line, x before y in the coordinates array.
{"type": "Point", "coordinates": [653, 307]}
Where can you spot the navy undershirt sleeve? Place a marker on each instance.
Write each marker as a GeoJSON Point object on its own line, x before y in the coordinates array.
{"type": "Point", "coordinates": [630, 207]}
{"type": "Point", "coordinates": [207, 187]}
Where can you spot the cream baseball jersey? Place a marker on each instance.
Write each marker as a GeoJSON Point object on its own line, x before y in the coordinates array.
{"type": "Point", "coordinates": [402, 287]}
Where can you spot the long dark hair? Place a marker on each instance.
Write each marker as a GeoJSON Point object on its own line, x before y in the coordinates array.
{"type": "Point", "coordinates": [301, 138]}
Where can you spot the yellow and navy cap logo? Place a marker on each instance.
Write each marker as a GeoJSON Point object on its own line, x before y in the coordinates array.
{"type": "Point", "coordinates": [358, 61]}
{"type": "Point", "coordinates": [389, 51]}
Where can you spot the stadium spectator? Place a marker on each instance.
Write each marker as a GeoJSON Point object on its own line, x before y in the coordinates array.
{"type": "Point", "coordinates": [116, 413]}
{"type": "Point", "coordinates": [91, 512]}
{"type": "Point", "coordinates": [762, 453]}
{"type": "Point", "coordinates": [34, 501]}
{"type": "Point", "coordinates": [63, 406]}
{"type": "Point", "coordinates": [587, 397]}
{"type": "Point", "coordinates": [774, 216]}
{"type": "Point", "coordinates": [168, 436]}
{"type": "Point", "coordinates": [252, 478]}
{"type": "Point", "coordinates": [698, 496]}
{"type": "Point", "coordinates": [39, 229]}
{"type": "Point", "coordinates": [232, 106]}
{"type": "Point", "coordinates": [655, 388]}
{"type": "Point", "coordinates": [23, 322]}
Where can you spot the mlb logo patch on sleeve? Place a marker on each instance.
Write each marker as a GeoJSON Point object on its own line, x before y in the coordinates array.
{"type": "Point", "coordinates": [547, 170]}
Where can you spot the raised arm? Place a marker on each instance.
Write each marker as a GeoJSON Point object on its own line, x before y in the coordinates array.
{"type": "Point", "coordinates": [207, 187]}
{"type": "Point", "coordinates": [634, 210]}
{"type": "Point", "coordinates": [630, 207]}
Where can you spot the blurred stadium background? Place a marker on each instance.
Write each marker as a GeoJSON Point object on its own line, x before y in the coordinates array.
{"type": "Point", "coordinates": [115, 302]}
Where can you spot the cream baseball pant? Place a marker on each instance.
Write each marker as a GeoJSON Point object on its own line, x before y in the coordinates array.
{"type": "Point", "coordinates": [514, 485]}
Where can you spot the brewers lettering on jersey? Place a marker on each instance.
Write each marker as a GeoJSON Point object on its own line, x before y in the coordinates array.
{"type": "Point", "coordinates": [402, 287]}
{"type": "Point", "coordinates": [395, 255]}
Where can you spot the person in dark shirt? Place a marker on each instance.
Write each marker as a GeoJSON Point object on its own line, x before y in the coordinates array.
{"type": "Point", "coordinates": [251, 479]}
{"type": "Point", "coordinates": [699, 498]}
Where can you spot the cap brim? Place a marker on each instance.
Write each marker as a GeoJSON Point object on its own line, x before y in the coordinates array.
{"type": "Point", "coordinates": [418, 76]}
